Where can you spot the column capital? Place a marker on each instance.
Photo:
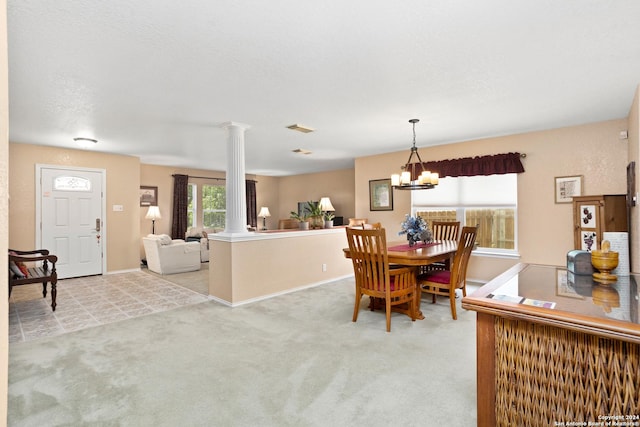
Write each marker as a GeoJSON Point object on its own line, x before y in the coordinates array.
{"type": "Point", "coordinates": [227, 125]}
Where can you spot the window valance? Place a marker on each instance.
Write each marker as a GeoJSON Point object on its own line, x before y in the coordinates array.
{"type": "Point", "coordinates": [471, 166]}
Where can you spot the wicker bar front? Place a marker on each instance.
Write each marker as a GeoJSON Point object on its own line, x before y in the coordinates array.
{"type": "Point", "coordinates": [547, 375]}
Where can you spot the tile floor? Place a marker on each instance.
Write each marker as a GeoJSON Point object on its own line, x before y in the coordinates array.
{"type": "Point", "coordinates": [91, 301]}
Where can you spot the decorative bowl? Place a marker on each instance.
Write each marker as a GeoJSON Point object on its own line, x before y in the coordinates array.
{"type": "Point", "coordinates": [606, 297]}
{"type": "Point", "coordinates": [604, 262]}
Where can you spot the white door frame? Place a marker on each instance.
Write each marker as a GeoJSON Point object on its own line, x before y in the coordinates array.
{"type": "Point", "coordinates": [103, 208]}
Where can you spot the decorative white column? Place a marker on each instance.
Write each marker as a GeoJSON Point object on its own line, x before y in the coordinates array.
{"type": "Point", "coordinates": [236, 216]}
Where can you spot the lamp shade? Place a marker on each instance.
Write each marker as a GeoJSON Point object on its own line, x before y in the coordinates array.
{"type": "Point", "coordinates": [153, 213]}
{"type": "Point", "coordinates": [264, 212]}
{"type": "Point", "coordinates": [325, 205]}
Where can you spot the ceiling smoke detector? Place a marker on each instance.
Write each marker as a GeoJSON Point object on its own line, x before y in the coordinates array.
{"type": "Point", "coordinates": [300, 128]}
{"type": "Point", "coordinates": [301, 151]}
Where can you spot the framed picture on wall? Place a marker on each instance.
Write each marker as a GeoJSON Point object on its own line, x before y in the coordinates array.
{"type": "Point", "coordinates": [380, 195]}
{"type": "Point", "coordinates": [567, 187]}
{"type": "Point", "coordinates": [148, 196]}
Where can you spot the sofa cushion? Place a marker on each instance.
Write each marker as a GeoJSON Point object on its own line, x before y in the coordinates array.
{"type": "Point", "coordinates": [165, 239]}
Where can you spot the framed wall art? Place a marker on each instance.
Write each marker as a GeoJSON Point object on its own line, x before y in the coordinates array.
{"type": "Point", "coordinates": [380, 195]}
{"type": "Point", "coordinates": [567, 187]}
{"type": "Point", "coordinates": [564, 288]}
{"type": "Point", "coordinates": [148, 196]}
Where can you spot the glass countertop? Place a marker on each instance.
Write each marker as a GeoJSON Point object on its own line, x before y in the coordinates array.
{"type": "Point", "coordinates": [558, 289]}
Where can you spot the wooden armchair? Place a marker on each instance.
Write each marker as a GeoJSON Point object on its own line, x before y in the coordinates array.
{"type": "Point", "coordinates": [445, 282]}
{"type": "Point", "coordinates": [34, 274]}
{"type": "Point", "coordinates": [397, 286]}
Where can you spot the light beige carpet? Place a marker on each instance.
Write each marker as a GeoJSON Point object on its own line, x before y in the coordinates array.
{"type": "Point", "coordinates": [295, 360]}
{"type": "Point", "coordinates": [197, 281]}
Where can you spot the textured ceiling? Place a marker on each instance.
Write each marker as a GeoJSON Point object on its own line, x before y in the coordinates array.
{"type": "Point", "coordinates": [157, 78]}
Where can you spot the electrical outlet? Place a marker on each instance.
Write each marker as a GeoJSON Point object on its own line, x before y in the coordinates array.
{"type": "Point", "coordinates": [324, 267]}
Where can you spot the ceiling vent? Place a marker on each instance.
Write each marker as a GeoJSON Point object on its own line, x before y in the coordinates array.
{"type": "Point", "coordinates": [300, 128]}
{"type": "Point", "coordinates": [301, 151]}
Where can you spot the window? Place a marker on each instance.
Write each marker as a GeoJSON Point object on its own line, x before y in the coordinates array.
{"type": "Point", "coordinates": [214, 203]}
{"type": "Point", "coordinates": [206, 208]}
{"type": "Point", "coordinates": [488, 201]}
{"type": "Point", "coordinates": [71, 183]}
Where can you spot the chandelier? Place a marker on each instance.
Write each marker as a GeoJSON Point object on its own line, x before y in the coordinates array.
{"type": "Point", "coordinates": [412, 178]}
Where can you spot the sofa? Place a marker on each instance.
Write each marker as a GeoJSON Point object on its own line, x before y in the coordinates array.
{"type": "Point", "coordinates": [195, 234]}
{"type": "Point", "coordinates": [167, 256]}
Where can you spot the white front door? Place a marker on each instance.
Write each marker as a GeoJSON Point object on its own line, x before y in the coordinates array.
{"type": "Point", "coordinates": [71, 209]}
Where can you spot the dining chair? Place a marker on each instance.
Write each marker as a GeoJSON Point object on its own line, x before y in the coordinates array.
{"type": "Point", "coordinates": [374, 277]}
{"type": "Point", "coordinates": [353, 222]}
{"type": "Point", "coordinates": [373, 226]}
{"type": "Point", "coordinates": [445, 282]}
{"type": "Point", "coordinates": [443, 230]}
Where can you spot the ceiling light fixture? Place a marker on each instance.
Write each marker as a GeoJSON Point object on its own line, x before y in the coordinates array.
{"type": "Point", "coordinates": [85, 142]}
{"type": "Point", "coordinates": [405, 180]}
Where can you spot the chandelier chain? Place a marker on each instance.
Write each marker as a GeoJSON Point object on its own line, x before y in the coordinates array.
{"type": "Point", "coordinates": [409, 180]}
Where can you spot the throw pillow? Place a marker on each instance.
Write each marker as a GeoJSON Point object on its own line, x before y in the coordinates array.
{"type": "Point", "coordinates": [165, 239]}
{"type": "Point", "coordinates": [23, 268]}
{"type": "Point", "coordinates": [17, 273]}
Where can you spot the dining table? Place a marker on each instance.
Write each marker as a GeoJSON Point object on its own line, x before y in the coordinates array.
{"type": "Point", "coordinates": [420, 254]}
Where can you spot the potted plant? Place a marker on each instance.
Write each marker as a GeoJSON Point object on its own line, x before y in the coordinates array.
{"type": "Point", "coordinates": [314, 211]}
{"type": "Point", "coordinates": [328, 219]}
{"type": "Point", "coordinates": [302, 218]}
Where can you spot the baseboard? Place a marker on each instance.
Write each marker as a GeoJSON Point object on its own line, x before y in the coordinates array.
{"type": "Point", "coordinates": [131, 270]}
{"type": "Point", "coordinates": [276, 294]}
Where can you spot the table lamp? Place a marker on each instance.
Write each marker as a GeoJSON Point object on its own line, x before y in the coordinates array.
{"type": "Point", "coordinates": [153, 213]}
{"type": "Point", "coordinates": [264, 213]}
{"type": "Point", "coordinates": [325, 205]}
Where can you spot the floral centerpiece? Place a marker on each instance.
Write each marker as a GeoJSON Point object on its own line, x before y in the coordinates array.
{"type": "Point", "coordinates": [416, 229]}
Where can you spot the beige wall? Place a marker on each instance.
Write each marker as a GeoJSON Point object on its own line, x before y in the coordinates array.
{"type": "Point", "coordinates": [4, 209]}
{"type": "Point", "coordinates": [268, 195]}
{"type": "Point", "coordinates": [634, 156]}
{"type": "Point", "coordinates": [123, 177]}
{"type": "Point", "coordinates": [337, 185]}
{"type": "Point", "coordinates": [279, 194]}
{"type": "Point", "coordinates": [266, 265]}
{"type": "Point", "coordinates": [545, 229]}
{"type": "Point", "coordinates": [162, 177]}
